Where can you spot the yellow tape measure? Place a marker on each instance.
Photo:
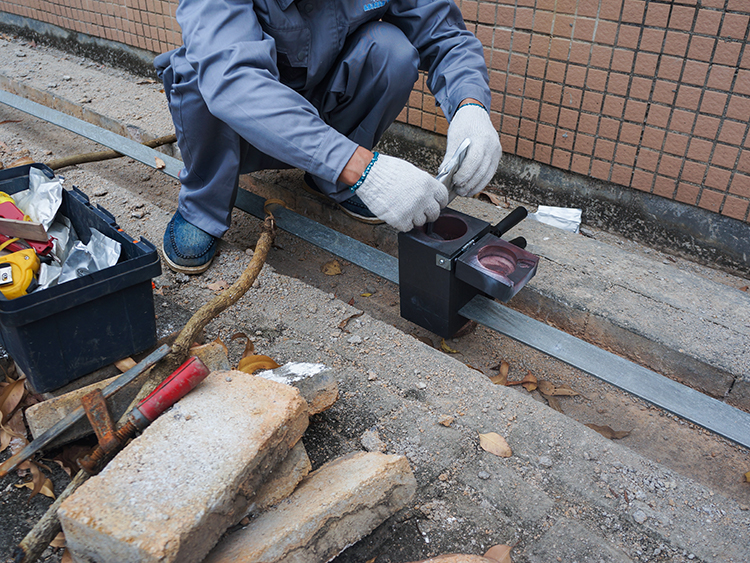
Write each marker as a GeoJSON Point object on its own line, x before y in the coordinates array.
{"type": "Point", "coordinates": [17, 271]}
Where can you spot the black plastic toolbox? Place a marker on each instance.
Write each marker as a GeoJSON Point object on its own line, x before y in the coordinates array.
{"type": "Point", "coordinates": [66, 331]}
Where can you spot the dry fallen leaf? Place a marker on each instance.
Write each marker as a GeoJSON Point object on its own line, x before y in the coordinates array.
{"type": "Point", "coordinates": [10, 398]}
{"type": "Point", "coordinates": [744, 288]}
{"type": "Point", "coordinates": [125, 364]}
{"type": "Point", "coordinates": [425, 340]}
{"type": "Point", "coordinates": [219, 285]}
{"type": "Point", "coordinates": [529, 382]}
{"type": "Point", "coordinates": [67, 557]}
{"type": "Point", "coordinates": [365, 294]}
{"type": "Point", "coordinates": [499, 379]}
{"type": "Point", "coordinates": [46, 489]}
{"type": "Point", "coordinates": [502, 377]}
{"type": "Point", "coordinates": [258, 362]}
{"type": "Point", "coordinates": [332, 268]}
{"type": "Point", "coordinates": [747, 477]}
{"type": "Point", "coordinates": [159, 163]}
{"type": "Point", "coordinates": [58, 541]}
{"type": "Point", "coordinates": [549, 388]}
{"type": "Point", "coordinates": [607, 432]}
{"type": "Point", "coordinates": [13, 428]}
{"type": "Point", "coordinates": [499, 553]}
{"type": "Point", "coordinates": [495, 444]}
{"type": "Point", "coordinates": [553, 403]}
{"type": "Point", "coordinates": [345, 322]}
{"type": "Point", "coordinates": [447, 349]}
{"type": "Point", "coordinates": [494, 199]}
{"type": "Point", "coordinates": [446, 420]}
{"type": "Point", "coordinates": [249, 346]}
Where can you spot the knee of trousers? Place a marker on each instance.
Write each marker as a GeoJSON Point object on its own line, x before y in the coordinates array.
{"type": "Point", "coordinates": [392, 58]}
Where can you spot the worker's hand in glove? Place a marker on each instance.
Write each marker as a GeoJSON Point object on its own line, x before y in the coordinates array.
{"type": "Point", "coordinates": [481, 160]}
{"type": "Point", "coordinates": [401, 194]}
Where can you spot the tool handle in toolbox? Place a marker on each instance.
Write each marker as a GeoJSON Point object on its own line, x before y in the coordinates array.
{"type": "Point", "coordinates": [175, 387]}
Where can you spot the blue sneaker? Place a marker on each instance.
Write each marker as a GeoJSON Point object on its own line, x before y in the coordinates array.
{"type": "Point", "coordinates": [354, 206]}
{"type": "Point", "coordinates": [188, 249]}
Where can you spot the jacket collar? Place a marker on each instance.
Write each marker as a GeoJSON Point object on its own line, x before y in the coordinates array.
{"type": "Point", "coordinates": [284, 4]}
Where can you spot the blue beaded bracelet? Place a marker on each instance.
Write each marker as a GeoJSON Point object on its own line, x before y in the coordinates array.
{"type": "Point", "coordinates": [472, 104]}
{"type": "Point", "coordinates": [364, 174]}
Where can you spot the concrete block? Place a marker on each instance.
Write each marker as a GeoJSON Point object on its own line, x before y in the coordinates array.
{"type": "Point", "coordinates": [172, 492]}
{"type": "Point", "coordinates": [333, 507]}
{"type": "Point", "coordinates": [284, 479]}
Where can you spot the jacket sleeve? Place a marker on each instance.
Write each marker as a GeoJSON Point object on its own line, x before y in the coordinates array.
{"type": "Point", "coordinates": [235, 62]}
{"type": "Point", "coordinates": [452, 56]}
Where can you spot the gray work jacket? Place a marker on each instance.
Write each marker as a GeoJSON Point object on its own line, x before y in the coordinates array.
{"type": "Point", "coordinates": [255, 60]}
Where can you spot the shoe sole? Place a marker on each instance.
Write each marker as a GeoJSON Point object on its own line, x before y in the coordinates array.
{"type": "Point", "coordinates": [352, 214]}
{"type": "Point", "coordinates": [189, 270]}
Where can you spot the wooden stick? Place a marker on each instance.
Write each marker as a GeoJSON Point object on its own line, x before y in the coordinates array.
{"type": "Point", "coordinates": [205, 314]}
{"type": "Point", "coordinates": [40, 536]}
{"type": "Point", "coordinates": [104, 155]}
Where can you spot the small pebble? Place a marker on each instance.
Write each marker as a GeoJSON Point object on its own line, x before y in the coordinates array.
{"type": "Point", "coordinates": [228, 378]}
{"type": "Point", "coordinates": [100, 192]}
{"type": "Point", "coordinates": [137, 214]}
{"type": "Point", "coordinates": [544, 461]}
{"type": "Point", "coordinates": [421, 385]}
{"type": "Point", "coordinates": [355, 340]}
{"type": "Point", "coordinates": [484, 475]}
{"type": "Point", "coordinates": [446, 420]}
{"type": "Point", "coordinates": [640, 517]}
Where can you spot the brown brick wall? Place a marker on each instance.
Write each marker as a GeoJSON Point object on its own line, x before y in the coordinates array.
{"type": "Point", "coordinates": [653, 95]}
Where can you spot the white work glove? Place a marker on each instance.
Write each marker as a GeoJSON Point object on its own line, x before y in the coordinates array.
{"type": "Point", "coordinates": [480, 163]}
{"type": "Point", "coordinates": [401, 194]}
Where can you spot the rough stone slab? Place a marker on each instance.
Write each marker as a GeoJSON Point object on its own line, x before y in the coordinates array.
{"type": "Point", "coordinates": [171, 493]}
{"type": "Point", "coordinates": [316, 383]}
{"type": "Point", "coordinates": [284, 479]}
{"type": "Point", "coordinates": [332, 508]}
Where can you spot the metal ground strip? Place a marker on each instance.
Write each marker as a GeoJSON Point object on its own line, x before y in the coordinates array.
{"type": "Point", "coordinates": [661, 391]}
{"type": "Point", "coordinates": [665, 393]}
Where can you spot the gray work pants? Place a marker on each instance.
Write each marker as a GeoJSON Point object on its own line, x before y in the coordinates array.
{"type": "Point", "coordinates": [360, 97]}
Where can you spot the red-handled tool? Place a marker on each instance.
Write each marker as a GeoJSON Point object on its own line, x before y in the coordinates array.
{"type": "Point", "coordinates": [172, 389]}
{"type": "Point", "coordinates": [175, 387]}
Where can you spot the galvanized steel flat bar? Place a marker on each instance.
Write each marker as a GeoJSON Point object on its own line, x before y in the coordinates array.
{"type": "Point", "coordinates": [127, 147]}
{"type": "Point", "coordinates": [661, 391]}
{"type": "Point", "coordinates": [648, 385]}
{"type": "Point", "coordinates": [352, 250]}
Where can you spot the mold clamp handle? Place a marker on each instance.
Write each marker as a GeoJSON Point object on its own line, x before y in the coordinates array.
{"type": "Point", "coordinates": [509, 221]}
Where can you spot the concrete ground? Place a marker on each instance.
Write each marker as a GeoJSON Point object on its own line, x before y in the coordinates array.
{"type": "Point", "coordinates": [669, 492]}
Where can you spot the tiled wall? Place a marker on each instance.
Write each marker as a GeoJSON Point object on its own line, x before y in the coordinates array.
{"type": "Point", "coordinates": [653, 95]}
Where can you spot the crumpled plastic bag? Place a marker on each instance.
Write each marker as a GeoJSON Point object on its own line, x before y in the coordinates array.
{"type": "Point", "coordinates": [84, 259]}
{"type": "Point", "coordinates": [566, 218]}
{"type": "Point", "coordinates": [64, 238]}
{"type": "Point", "coordinates": [43, 198]}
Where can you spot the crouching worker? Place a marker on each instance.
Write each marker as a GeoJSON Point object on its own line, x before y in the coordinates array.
{"type": "Point", "coordinates": [313, 84]}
